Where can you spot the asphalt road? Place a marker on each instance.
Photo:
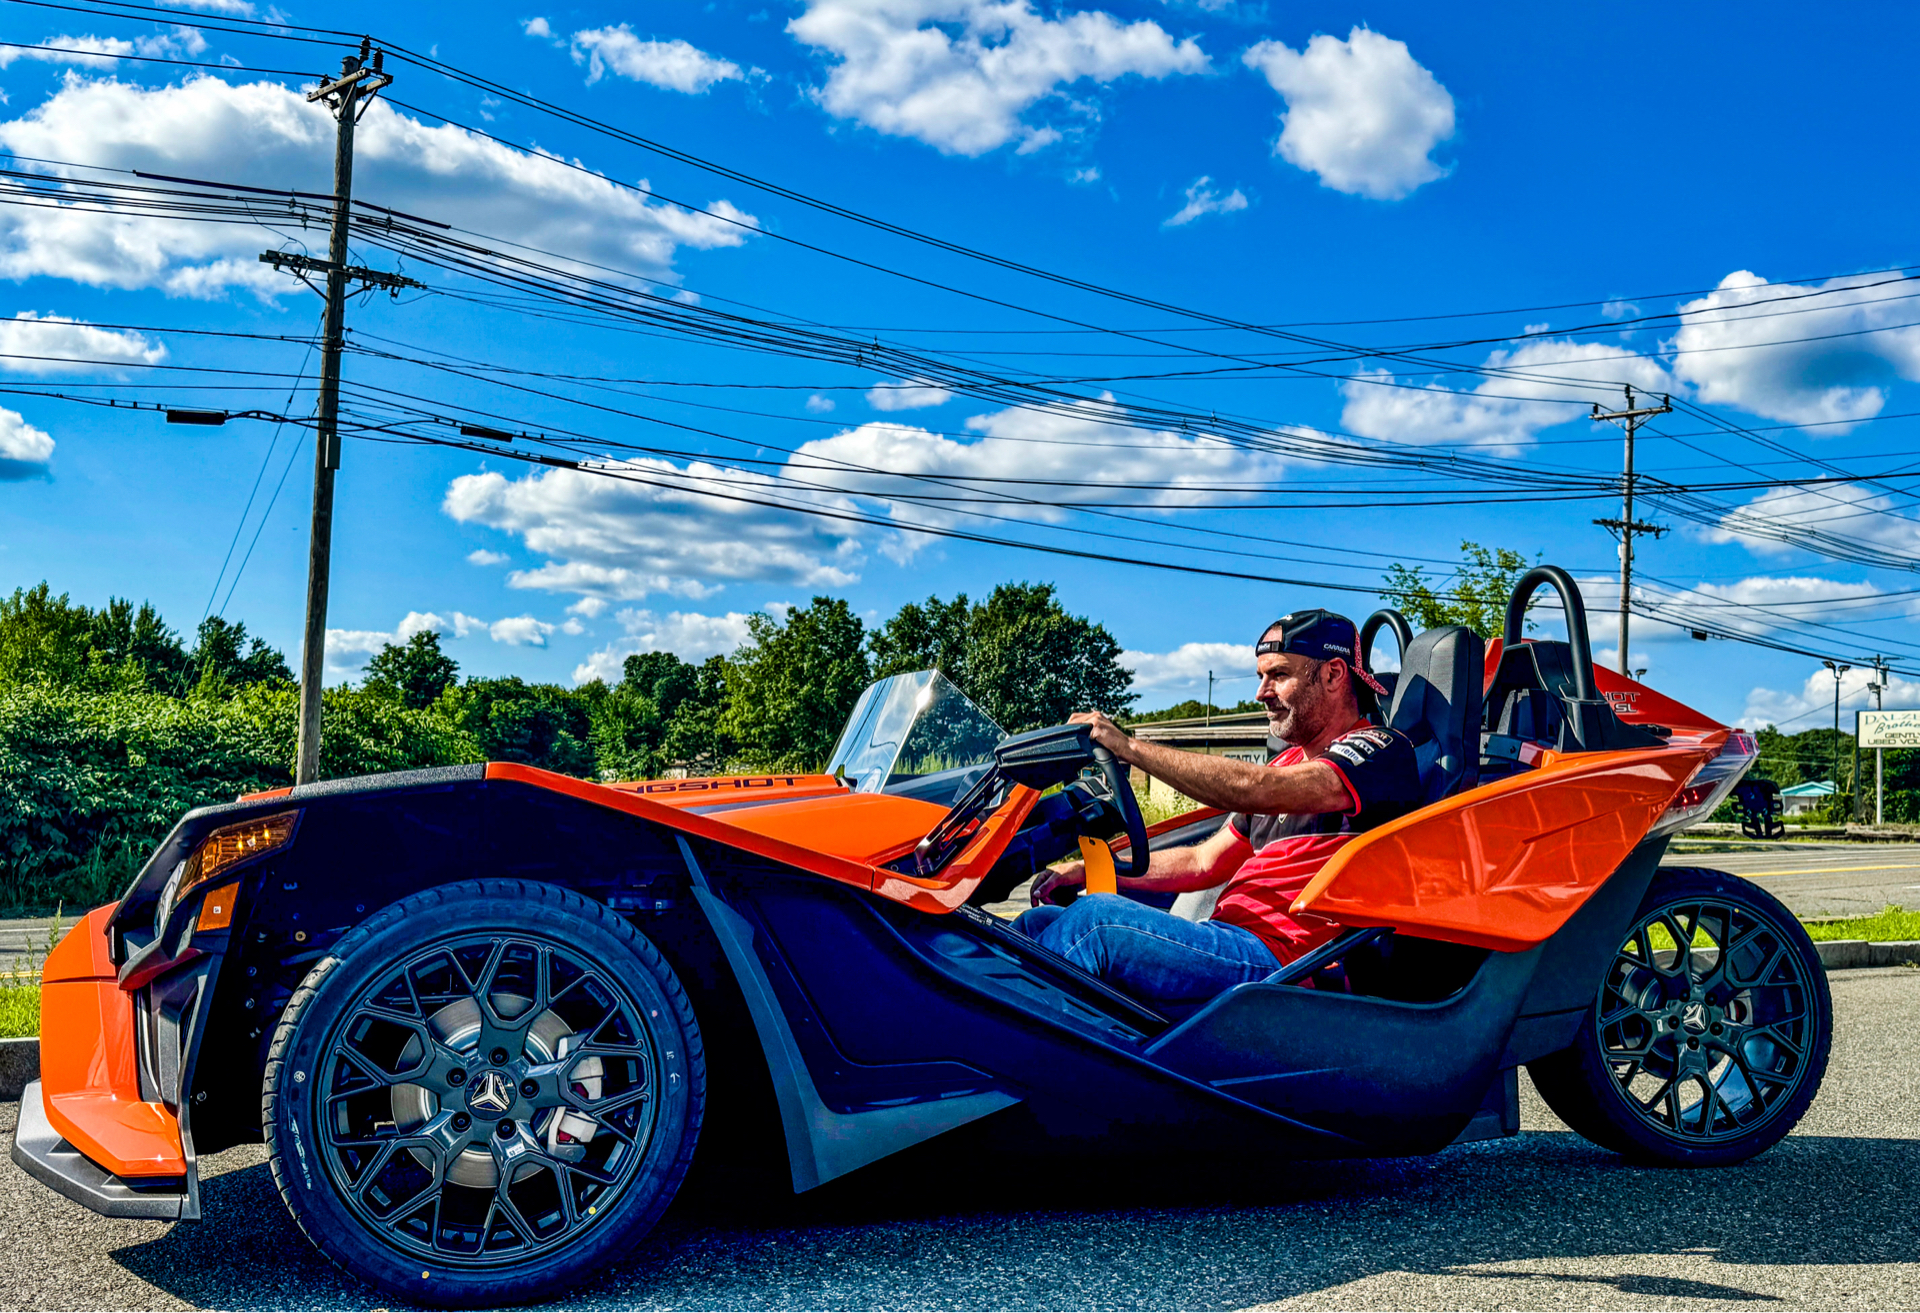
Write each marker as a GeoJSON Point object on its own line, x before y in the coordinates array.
{"type": "Point", "coordinates": [1815, 879]}
{"type": "Point", "coordinates": [982, 1219]}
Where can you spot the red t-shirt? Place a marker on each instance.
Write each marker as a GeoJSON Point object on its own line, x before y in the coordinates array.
{"type": "Point", "coordinates": [1287, 851]}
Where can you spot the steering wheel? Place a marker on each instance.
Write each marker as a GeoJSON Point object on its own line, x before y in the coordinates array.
{"type": "Point", "coordinates": [1115, 772]}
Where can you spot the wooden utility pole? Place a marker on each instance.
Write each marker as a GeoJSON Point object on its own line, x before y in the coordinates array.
{"type": "Point", "coordinates": [347, 96]}
{"type": "Point", "coordinates": [1632, 417]}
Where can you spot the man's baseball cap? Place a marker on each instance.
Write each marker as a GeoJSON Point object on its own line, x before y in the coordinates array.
{"type": "Point", "coordinates": [1323, 635]}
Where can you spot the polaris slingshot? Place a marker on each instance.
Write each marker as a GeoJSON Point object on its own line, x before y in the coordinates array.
{"type": "Point", "coordinates": [472, 1011]}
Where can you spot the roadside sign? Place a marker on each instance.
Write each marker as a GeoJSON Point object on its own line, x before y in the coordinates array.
{"type": "Point", "coordinates": [1890, 729]}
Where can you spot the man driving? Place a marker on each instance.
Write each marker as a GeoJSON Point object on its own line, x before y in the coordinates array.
{"type": "Point", "coordinates": [1340, 777]}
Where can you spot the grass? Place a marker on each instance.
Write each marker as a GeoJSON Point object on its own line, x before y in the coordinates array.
{"type": "Point", "coordinates": [19, 1011]}
{"type": "Point", "coordinates": [20, 987]}
{"type": "Point", "coordinates": [1891, 923]}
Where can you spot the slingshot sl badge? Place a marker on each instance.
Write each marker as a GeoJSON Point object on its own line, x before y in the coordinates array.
{"type": "Point", "coordinates": [490, 1095]}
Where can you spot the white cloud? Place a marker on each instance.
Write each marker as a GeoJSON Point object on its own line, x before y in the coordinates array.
{"type": "Point", "coordinates": [1504, 411]}
{"type": "Point", "coordinates": [347, 650]}
{"type": "Point", "coordinates": [1843, 377]}
{"type": "Point", "coordinates": [1811, 705]}
{"type": "Point", "coordinates": [24, 449]}
{"type": "Point", "coordinates": [625, 539]}
{"type": "Point", "coordinates": [1783, 598]}
{"type": "Point", "coordinates": [673, 65]}
{"type": "Point", "coordinates": [520, 631]}
{"type": "Point", "coordinates": [1202, 199]}
{"type": "Point", "coordinates": [1362, 114]}
{"type": "Point", "coordinates": [540, 29]}
{"type": "Point", "coordinates": [1845, 509]}
{"type": "Point", "coordinates": [958, 74]}
{"type": "Point", "coordinates": [237, 8]}
{"type": "Point", "coordinates": [481, 556]}
{"type": "Point", "coordinates": [102, 50]}
{"type": "Point", "coordinates": [688, 635]}
{"type": "Point", "coordinates": [818, 404]}
{"type": "Point", "coordinates": [590, 607]}
{"type": "Point", "coordinates": [1090, 174]}
{"type": "Point", "coordinates": [54, 344]}
{"type": "Point", "coordinates": [1165, 469]}
{"type": "Point", "coordinates": [1188, 664]}
{"type": "Point", "coordinates": [269, 136]}
{"type": "Point", "coordinates": [649, 526]}
{"type": "Point", "coordinates": [911, 394]}
{"type": "Point", "coordinates": [464, 624]}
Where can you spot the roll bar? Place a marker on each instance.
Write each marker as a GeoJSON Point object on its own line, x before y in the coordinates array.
{"type": "Point", "coordinates": [1386, 617]}
{"type": "Point", "coordinates": [1576, 610]}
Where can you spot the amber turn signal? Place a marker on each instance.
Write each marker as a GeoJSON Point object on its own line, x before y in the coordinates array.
{"type": "Point", "coordinates": [233, 844]}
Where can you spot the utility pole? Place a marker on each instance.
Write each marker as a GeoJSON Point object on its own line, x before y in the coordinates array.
{"type": "Point", "coordinates": [1879, 687]}
{"type": "Point", "coordinates": [348, 96]}
{"type": "Point", "coordinates": [1632, 417]}
{"type": "Point", "coordinates": [1838, 668]}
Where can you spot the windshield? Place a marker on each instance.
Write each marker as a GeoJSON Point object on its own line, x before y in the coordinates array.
{"type": "Point", "coordinates": [911, 725]}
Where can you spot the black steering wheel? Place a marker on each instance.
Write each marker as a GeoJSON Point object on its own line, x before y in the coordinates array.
{"type": "Point", "coordinates": [1115, 772]}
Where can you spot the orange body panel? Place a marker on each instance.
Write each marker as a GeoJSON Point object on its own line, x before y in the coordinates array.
{"type": "Point", "coordinates": [734, 828]}
{"type": "Point", "coordinates": [864, 827]}
{"type": "Point", "coordinates": [264, 794]}
{"type": "Point", "coordinates": [87, 1073]}
{"type": "Point", "coordinates": [1503, 866]}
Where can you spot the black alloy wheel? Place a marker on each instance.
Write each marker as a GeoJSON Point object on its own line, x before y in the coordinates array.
{"type": "Point", "coordinates": [484, 1094]}
{"type": "Point", "coordinates": [1710, 1033]}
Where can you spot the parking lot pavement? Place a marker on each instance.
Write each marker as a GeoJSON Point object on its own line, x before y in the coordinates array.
{"type": "Point", "coordinates": [989, 1218]}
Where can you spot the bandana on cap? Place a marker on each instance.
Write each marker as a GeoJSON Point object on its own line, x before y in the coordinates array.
{"type": "Point", "coordinates": [1322, 635]}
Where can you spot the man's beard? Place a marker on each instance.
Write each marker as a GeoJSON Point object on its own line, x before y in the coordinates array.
{"type": "Point", "coordinates": [1300, 722]}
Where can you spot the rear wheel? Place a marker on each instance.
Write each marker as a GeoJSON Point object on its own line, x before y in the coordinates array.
{"type": "Point", "coordinates": [1710, 1034]}
{"type": "Point", "coordinates": [484, 1094]}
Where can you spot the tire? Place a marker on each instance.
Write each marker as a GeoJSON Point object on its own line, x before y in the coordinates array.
{"type": "Point", "coordinates": [484, 1094]}
{"type": "Point", "coordinates": [1702, 1057]}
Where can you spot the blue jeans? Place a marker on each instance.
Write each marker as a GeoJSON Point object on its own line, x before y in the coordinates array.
{"type": "Point", "coordinates": [1151, 954]}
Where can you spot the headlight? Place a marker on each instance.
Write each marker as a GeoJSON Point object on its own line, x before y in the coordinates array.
{"type": "Point", "coordinates": [224, 848]}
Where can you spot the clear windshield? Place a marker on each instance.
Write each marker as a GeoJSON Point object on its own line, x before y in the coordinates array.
{"type": "Point", "coordinates": [911, 725]}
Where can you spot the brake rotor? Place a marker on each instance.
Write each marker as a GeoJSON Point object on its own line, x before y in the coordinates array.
{"type": "Point", "coordinates": [457, 1025]}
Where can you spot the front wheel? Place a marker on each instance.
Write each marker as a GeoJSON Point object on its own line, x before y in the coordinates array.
{"type": "Point", "coordinates": [1710, 1034]}
{"type": "Point", "coordinates": [484, 1094]}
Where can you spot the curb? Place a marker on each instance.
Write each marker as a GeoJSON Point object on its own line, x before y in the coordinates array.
{"type": "Point", "coordinates": [19, 1065]}
{"type": "Point", "coordinates": [1840, 954]}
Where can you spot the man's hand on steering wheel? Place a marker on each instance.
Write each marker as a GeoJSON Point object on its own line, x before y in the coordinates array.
{"type": "Point", "coordinates": [1107, 734]}
{"type": "Point", "coordinates": [1056, 880]}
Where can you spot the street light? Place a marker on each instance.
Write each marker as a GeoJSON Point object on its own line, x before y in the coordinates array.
{"type": "Point", "coordinates": [1838, 669]}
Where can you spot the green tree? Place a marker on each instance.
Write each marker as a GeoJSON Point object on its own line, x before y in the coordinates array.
{"type": "Point", "coordinates": [140, 644]}
{"type": "Point", "coordinates": [930, 636]}
{"type": "Point", "coordinates": [1191, 709]}
{"type": "Point", "coordinates": [695, 739]}
{"type": "Point", "coordinates": [1475, 595]}
{"type": "Point", "coordinates": [791, 686]}
{"type": "Point", "coordinates": [1030, 663]}
{"type": "Point", "coordinates": [44, 638]}
{"type": "Point", "coordinates": [541, 725]}
{"type": "Point", "coordinates": [414, 673]}
{"type": "Point", "coordinates": [224, 656]}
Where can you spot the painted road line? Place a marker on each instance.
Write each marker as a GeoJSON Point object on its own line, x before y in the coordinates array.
{"type": "Point", "coordinates": [1841, 870]}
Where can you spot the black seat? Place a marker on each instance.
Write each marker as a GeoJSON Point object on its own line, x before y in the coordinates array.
{"type": "Point", "coordinates": [1436, 703]}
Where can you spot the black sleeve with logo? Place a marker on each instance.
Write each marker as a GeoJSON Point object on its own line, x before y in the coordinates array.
{"type": "Point", "coordinates": [1377, 764]}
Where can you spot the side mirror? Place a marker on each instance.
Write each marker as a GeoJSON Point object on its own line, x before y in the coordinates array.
{"type": "Point", "coordinates": [1042, 758]}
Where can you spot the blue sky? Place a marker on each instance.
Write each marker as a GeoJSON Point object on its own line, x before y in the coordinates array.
{"type": "Point", "coordinates": [1705, 193]}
